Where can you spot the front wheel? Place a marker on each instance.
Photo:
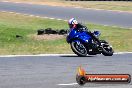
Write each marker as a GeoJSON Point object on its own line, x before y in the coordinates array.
{"type": "Point", "coordinates": [78, 48]}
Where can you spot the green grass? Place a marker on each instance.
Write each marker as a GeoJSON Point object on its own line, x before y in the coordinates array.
{"type": "Point", "coordinates": [107, 5]}
{"type": "Point", "coordinates": [12, 25]}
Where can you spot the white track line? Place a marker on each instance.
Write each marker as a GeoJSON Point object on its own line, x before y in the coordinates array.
{"type": "Point", "coordinates": [55, 54]}
{"type": "Point", "coordinates": [69, 84]}
{"type": "Point", "coordinates": [15, 13]}
{"type": "Point", "coordinates": [38, 55]}
{"type": "Point", "coordinates": [123, 53]}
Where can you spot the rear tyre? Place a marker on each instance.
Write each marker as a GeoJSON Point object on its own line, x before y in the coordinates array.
{"type": "Point", "coordinates": [107, 50]}
{"type": "Point", "coordinates": [79, 48]}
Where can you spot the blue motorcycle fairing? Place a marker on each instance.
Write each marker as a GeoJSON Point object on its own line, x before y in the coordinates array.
{"type": "Point", "coordinates": [81, 35]}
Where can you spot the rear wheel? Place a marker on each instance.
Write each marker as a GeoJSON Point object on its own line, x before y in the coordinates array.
{"type": "Point", "coordinates": [78, 48]}
{"type": "Point", "coordinates": [107, 50]}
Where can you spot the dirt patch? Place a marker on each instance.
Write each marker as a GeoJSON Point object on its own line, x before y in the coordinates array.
{"type": "Point", "coordinates": [47, 37]}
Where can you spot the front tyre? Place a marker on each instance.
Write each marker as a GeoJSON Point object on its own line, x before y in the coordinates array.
{"type": "Point", "coordinates": [78, 48]}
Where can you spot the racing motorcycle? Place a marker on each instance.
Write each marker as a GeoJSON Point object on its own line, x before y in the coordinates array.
{"type": "Point", "coordinates": [82, 43]}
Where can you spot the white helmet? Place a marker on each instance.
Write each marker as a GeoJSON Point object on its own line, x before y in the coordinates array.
{"type": "Point", "coordinates": [72, 21]}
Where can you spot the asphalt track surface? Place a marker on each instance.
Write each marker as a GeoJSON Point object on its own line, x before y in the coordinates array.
{"type": "Point", "coordinates": [121, 19]}
{"type": "Point", "coordinates": [60, 71]}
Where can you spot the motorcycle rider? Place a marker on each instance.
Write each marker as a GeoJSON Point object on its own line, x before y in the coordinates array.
{"type": "Point", "coordinates": [73, 24]}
